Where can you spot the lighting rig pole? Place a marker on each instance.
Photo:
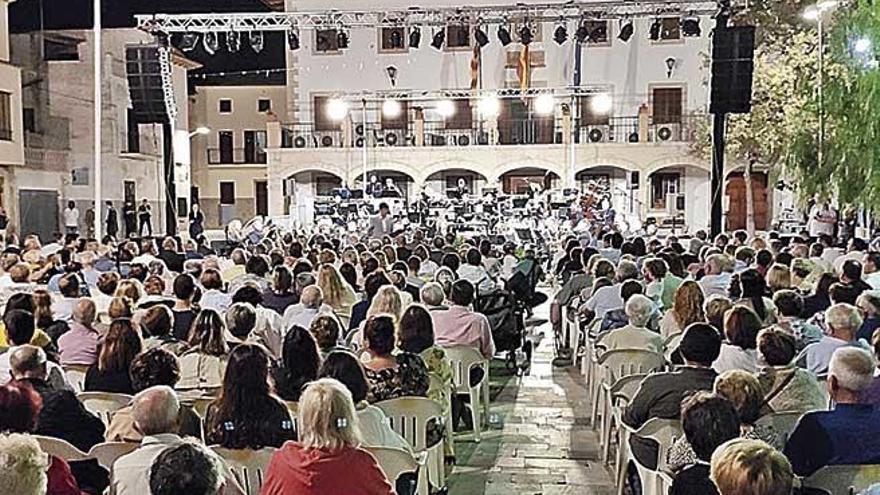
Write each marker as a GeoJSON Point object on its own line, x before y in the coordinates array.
{"type": "Point", "coordinates": [96, 124]}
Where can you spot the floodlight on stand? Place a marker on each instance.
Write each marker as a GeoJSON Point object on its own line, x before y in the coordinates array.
{"type": "Point", "coordinates": [690, 27]}
{"type": "Point", "coordinates": [415, 37]}
{"type": "Point", "coordinates": [341, 39]}
{"type": "Point", "coordinates": [337, 109]}
{"type": "Point", "coordinates": [582, 33]}
{"type": "Point", "coordinates": [202, 130]}
{"type": "Point", "coordinates": [188, 41]}
{"type": "Point", "coordinates": [545, 104]}
{"type": "Point", "coordinates": [256, 40]}
{"type": "Point", "coordinates": [601, 103]}
{"type": "Point", "coordinates": [654, 32]}
{"type": "Point", "coordinates": [439, 39]}
{"type": "Point", "coordinates": [446, 108]}
{"type": "Point", "coordinates": [292, 40]}
{"type": "Point", "coordinates": [391, 109]}
{"type": "Point", "coordinates": [233, 41]}
{"type": "Point", "coordinates": [480, 37]}
{"type": "Point", "coordinates": [626, 31]}
{"type": "Point", "coordinates": [210, 42]}
{"type": "Point", "coordinates": [525, 35]}
{"type": "Point", "coordinates": [489, 107]}
{"type": "Point", "coordinates": [504, 36]}
{"type": "Point", "coordinates": [561, 34]}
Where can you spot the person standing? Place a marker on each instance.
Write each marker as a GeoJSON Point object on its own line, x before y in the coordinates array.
{"type": "Point", "coordinates": [71, 218]}
{"type": "Point", "coordinates": [822, 219]}
{"type": "Point", "coordinates": [381, 224]}
{"type": "Point", "coordinates": [4, 221]}
{"type": "Point", "coordinates": [90, 221]}
{"type": "Point", "coordinates": [129, 216]}
{"type": "Point", "coordinates": [111, 223]}
{"type": "Point", "coordinates": [145, 222]}
{"type": "Point", "coordinates": [196, 222]}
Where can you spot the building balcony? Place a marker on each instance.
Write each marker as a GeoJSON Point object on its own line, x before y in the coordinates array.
{"type": "Point", "coordinates": [236, 156]}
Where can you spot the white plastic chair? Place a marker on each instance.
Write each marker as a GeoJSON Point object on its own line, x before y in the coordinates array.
{"type": "Point", "coordinates": [103, 404]}
{"type": "Point", "coordinates": [248, 466]}
{"type": "Point", "coordinates": [61, 449]}
{"type": "Point", "coordinates": [671, 344]}
{"type": "Point", "coordinates": [783, 423]}
{"type": "Point", "coordinates": [76, 376]}
{"type": "Point", "coordinates": [394, 462]}
{"type": "Point", "coordinates": [664, 432]}
{"type": "Point", "coordinates": [409, 417]}
{"type": "Point", "coordinates": [845, 479]}
{"type": "Point", "coordinates": [616, 364]}
{"type": "Point", "coordinates": [617, 396]}
{"type": "Point", "coordinates": [463, 360]}
{"type": "Point", "coordinates": [435, 383]}
{"type": "Point", "coordinates": [106, 453]}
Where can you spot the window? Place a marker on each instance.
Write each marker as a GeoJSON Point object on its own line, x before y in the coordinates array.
{"type": "Point", "coordinates": [225, 106]}
{"type": "Point", "coordinates": [319, 112]}
{"type": "Point", "coordinates": [458, 36]}
{"type": "Point", "coordinates": [79, 176]}
{"type": "Point", "coordinates": [225, 140]}
{"type": "Point", "coordinates": [463, 117]}
{"type": "Point", "coordinates": [264, 105]}
{"type": "Point", "coordinates": [133, 133]}
{"type": "Point", "coordinates": [598, 32]}
{"type": "Point", "coordinates": [326, 41]}
{"type": "Point", "coordinates": [392, 39]}
{"type": "Point", "coordinates": [670, 28]}
{"type": "Point", "coordinates": [29, 119]}
{"type": "Point", "coordinates": [325, 184]}
{"type": "Point", "coordinates": [663, 184]}
{"type": "Point", "coordinates": [667, 105]}
{"type": "Point", "coordinates": [255, 146]}
{"type": "Point", "coordinates": [5, 116]}
{"type": "Point", "coordinates": [589, 116]}
{"type": "Point", "coordinates": [227, 193]}
{"type": "Point", "coordinates": [55, 50]}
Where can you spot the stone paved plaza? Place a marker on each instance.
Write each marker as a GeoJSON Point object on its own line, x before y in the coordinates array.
{"type": "Point", "coordinates": [540, 440]}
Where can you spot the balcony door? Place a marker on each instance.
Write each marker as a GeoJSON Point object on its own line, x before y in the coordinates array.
{"type": "Point", "coordinates": [667, 105]}
{"type": "Point", "coordinates": [518, 125]}
{"type": "Point", "coordinates": [226, 146]}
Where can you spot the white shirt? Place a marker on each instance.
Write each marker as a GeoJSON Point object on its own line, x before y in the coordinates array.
{"type": "Point", "coordinates": [63, 308]}
{"type": "Point", "coordinates": [376, 430]}
{"type": "Point", "coordinates": [715, 284]}
{"type": "Point", "coordinates": [54, 373]}
{"type": "Point", "coordinates": [478, 276]}
{"type": "Point", "coordinates": [873, 279]}
{"type": "Point", "coordinates": [216, 300]}
{"type": "Point", "coordinates": [821, 220]}
{"type": "Point", "coordinates": [302, 316]}
{"type": "Point", "coordinates": [736, 358]}
{"type": "Point", "coordinates": [508, 265]}
{"type": "Point", "coordinates": [604, 300]}
{"type": "Point", "coordinates": [71, 217]}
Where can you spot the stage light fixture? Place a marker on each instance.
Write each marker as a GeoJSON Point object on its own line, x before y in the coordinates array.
{"type": "Point", "coordinates": [446, 108]}
{"type": "Point", "coordinates": [341, 39]}
{"type": "Point", "coordinates": [188, 41]}
{"type": "Point", "coordinates": [439, 39]}
{"type": "Point", "coordinates": [391, 109]}
{"type": "Point", "coordinates": [337, 109]}
{"type": "Point", "coordinates": [545, 104]}
{"type": "Point", "coordinates": [233, 41]}
{"type": "Point", "coordinates": [415, 37]}
{"type": "Point", "coordinates": [480, 37]}
{"type": "Point", "coordinates": [601, 103]}
{"type": "Point", "coordinates": [525, 35]}
{"type": "Point", "coordinates": [255, 38]}
{"type": "Point", "coordinates": [582, 33]}
{"type": "Point", "coordinates": [292, 40]}
{"type": "Point", "coordinates": [504, 36]}
{"type": "Point", "coordinates": [489, 107]}
{"type": "Point", "coordinates": [561, 34]}
{"type": "Point", "coordinates": [654, 32]}
{"type": "Point", "coordinates": [210, 42]}
{"type": "Point", "coordinates": [690, 27]}
{"type": "Point", "coordinates": [626, 31]}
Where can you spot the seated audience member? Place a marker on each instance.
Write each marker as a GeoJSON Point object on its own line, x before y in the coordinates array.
{"type": "Point", "coordinates": [47, 329]}
{"type": "Point", "coordinates": [752, 291]}
{"type": "Point", "coordinates": [848, 434]}
{"type": "Point", "coordinates": [190, 468]}
{"type": "Point", "coordinates": [203, 365]}
{"type": "Point", "coordinates": [20, 330]}
{"type": "Point", "coordinates": [326, 329]}
{"type": "Point", "coordinates": [213, 296]}
{"type": "Point", "coordinates": [372, 284]}
{"type": "Point", "coordinates": [617, 318]}
{"type": "Point", "coordinates": [843, 321]}
{"type": "Point", "coordinates": [608, 298]}
{"type": "Point", "coordinates": [459, 325]}
{"type": "Point", "coordinates": [474, 272]}
{"type": "Point", "coordinates": [26, 470]}
{"type": "Point", "coordinates": [789, 307]}
{"type": "Point", "coordinates": [741, 327]}
{"type": "Point", "coordinates": [338, 294]}
{"type": "Point", "coordinates": [390, 375]}
{"type": "Point", "coordinates": [744, 466]}
{"type": "Point", "coordinates": [267, 327]}
{"type": "Point", "coordinates": [851, 275]}
{"type": "Point", "coordinates": [310, 305]}
{"type": "Point", "coordinates": [433, 297]}
{"type": "Point", "coordinates": [299, 363]}
{"type": "Point", "coordinates": [119, 348]}
{"type": "Point", "coordinates": [247, 415]}
{"type": "Point", "coordinates": [635, 335]}
{"type": "Point", "coordinates": [63, 308]}
{"type": "Point", "coordinates": [820, 299]}
{"type": "Point", "coordinates": [374, 426]}
{"type": "Point", "coordinates": [868, 304]}
{"type": "Point", "coordinates": [719, 270]}
{"type": "Point", "coordinates": [149, 369]}
{"type": "Point", "coordinates": [328, 458]}
{"type": "Point", "coordinates": [662, 285]}
{"type": "Point", "coordinates": [157, 324]}
{"type": "Point", "coordinates": [183, 310]}
{"type": "Point", "coordinates": [280, 295]}
{"type": "Point", "coordinates": [155, 412]}
{"type": "Point", "coordinates": [240, 322]}
{"type": "Point", "coordinates": [871, 395]}
{"type": "Point", "coordinates": [79, 345]}
{"type": "Point", "coordinates": [786, 387]}
{"type": "Point", "coordinates": [660, 394]}
{"type": "Point", "coordinates": [708, 421]}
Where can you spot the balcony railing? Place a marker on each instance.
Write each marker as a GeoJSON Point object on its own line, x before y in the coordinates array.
{"type": "Point", "coordinates": [526, 131]}
{"type": "Point", "coordinates": [236, 156]}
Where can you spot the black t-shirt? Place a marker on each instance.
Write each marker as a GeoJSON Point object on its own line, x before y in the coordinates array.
{"type": "Point", "coordinates": [182, 322]}
{"type": "Point", "coordinates": [117, 382]}
{"type": "Point", "coordinates": [693, 480]}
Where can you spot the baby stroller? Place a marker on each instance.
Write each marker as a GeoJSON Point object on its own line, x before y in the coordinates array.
{"type": "Point", "coordinates": [505, 317]}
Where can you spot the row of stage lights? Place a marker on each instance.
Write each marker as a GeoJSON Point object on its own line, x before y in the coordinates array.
{"type": "Point", "coordinates": [690, 27]}
{"type": "Point", "coordinates": [488, 107]}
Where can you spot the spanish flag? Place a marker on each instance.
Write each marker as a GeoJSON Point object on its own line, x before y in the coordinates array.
{"type": "Point", "coordinates": [476, 61]}
{"type": "Point", "coordinates": [524, 69]}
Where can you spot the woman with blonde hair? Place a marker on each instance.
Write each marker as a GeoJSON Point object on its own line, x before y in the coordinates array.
{"type": "Point", "coordinates": [327, 458]}
{"type": "Point", "coordinates": [687, 308]}
{"type": "Point", "coordinates": [778, 277]}
{"type": "Point", "coordinates": [750, 466]}
{"type": "Point", "coordinates": [338, 294]}
{"type": "Point", "coordinates": [388, 302]}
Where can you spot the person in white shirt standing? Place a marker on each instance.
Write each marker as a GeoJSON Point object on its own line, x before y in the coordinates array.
{"type": "Point", "coordinates": [822, 219]}
{"type": "Point", "coordinates": [871, 269]}
{"type": "Point", "coordinates": [71, 218]}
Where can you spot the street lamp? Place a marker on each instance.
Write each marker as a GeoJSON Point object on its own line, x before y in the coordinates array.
{"type": "Point", "coordinates": [816, 13]}
{"type": "Point", "coordinates": [200, 131]}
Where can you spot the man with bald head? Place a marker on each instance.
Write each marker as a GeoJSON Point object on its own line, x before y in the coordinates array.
{"type": "Point", "coordinates": [311, 304]}
{"type": "Point", "coordinates": [155, 412]}
{"type": "Point", "coordinates": [79, 345]}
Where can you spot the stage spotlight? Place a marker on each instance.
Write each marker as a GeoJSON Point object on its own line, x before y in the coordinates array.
{"type": "Point", "coordinates": [341, 39]}
{"type": "Point", "coordinates": [525, 35]}
{"type": "Point", "coordinates": [446, 108]}
{"type": "Point", "coordinates": [188, 41]}
{"type": "Point", "coordinates": [654, 32]}
{"type": "Point", "coordinates": [626, 31]}
{"type": "Point", "coordinates": [233, 41]}
{"type": "Point", "coordinates": [601, 103]}
{"type": "Point", "coordinates": [391, 109]}
{"type": "Point", "coordinates": [480, 36]}
{"type": "Point", "coordinates": [337, 109]}
{"type": "Point", "coordinates": [582, 33]}
{"type": "Point", "coordinates": [545, 104]}
{"type": "Point", "coordinates": [489, 107]}
{"type": "Point", "coordinates": [561, 34]}
{"type": "Point", "coordinates": [210, 42]}
{"type": "Point", "coordinates": [256, 40]}
{"type": "Point", "coordinates": [415, 37]}
{"type": "Point", "coordinates": [690, 27]}
{"type": "Point", "coordinates": [439, 38]}
{"type": "Point", "coordinates": [504, 36]}
{"type": "Point", "coordinates": [292, 40]}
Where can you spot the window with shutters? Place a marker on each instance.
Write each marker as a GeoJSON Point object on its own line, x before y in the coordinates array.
{"type": "Point", "coordinates": [589, 116]}
{"type": "Point", "coordinates": [458, 36]}
{"type": "Point", "coordinates": [463, 117]}
{"type": "Point", "coordinates": [667, 105]}
{"type": "Point", "coordinates": [393, 40]}
{"type": "Point", "coordinates": [323, 122]}
{"type": "Point", "coordinates": [227, 193]}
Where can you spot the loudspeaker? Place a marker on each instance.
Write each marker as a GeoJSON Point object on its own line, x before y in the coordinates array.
{"type": "Point", "coordinates": [634, 179]}
{"type": "Point", "coordinates": [144, 75]}
{"type": "Point", "coordinates": [733, 51]}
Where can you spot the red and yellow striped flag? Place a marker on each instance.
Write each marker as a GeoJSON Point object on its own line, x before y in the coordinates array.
{"type": "Point", "coordinates": [524, 69]}
{"type": "Point", "coordinates": [476, 60]}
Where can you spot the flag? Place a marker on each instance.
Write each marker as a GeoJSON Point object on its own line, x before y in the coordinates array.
{"type": "Point", "coordinates": [476, 61]}
{"type": "Point", "coordinates": [524, 69]}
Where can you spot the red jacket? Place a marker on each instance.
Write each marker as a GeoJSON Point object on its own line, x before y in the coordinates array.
{"type": "Point", "coordinates": [349, 471]}
{"type": "Point", "coordinates": [61, 480]}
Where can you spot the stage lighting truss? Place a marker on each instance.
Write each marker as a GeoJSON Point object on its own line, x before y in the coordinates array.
{"type": "Point", "coordinates": [233, 41]}
{"type": "Point", "coordinates": [293, 39]}
{"type": "Point", "coordinates": [255, 38]}
{"type": "Point", "coordinates": [188, 41]}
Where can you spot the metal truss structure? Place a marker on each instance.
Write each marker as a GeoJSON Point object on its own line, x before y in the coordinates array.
{"type": "Point", "coordinates": [433, 17]}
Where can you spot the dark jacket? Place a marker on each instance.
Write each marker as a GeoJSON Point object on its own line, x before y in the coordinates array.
{"type": "Point", "coordinates": [849, 434]}
{"type": "Point", "coordinates": [693, 480]}
{"type": "Point", "coordinates": [117, 382]}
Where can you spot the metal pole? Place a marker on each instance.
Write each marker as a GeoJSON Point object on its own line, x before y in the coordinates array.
{"type": "Point", "coordinates": [572, 156]}
{"type": "Point", "coordinates": [99, 219]}
{"type": "Point", "coordinates": [366, 141]}
{"type": "Point", "coordinates": [821, 147]}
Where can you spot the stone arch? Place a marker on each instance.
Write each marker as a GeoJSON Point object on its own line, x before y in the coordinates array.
{"type": "Point", "coordinates": [528, 163]}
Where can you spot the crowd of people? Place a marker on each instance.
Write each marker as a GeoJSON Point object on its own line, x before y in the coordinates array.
{"type": "Point", "coordinates": [754, 325]}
